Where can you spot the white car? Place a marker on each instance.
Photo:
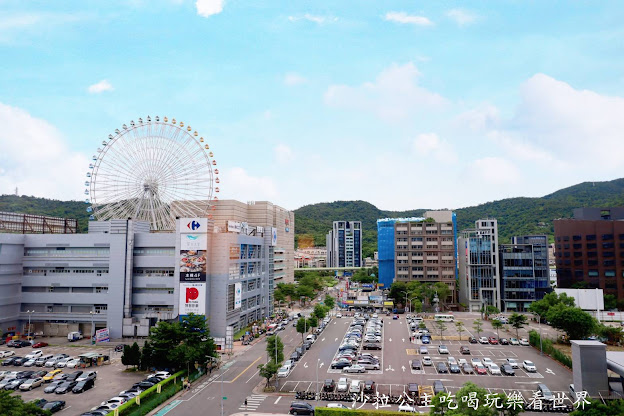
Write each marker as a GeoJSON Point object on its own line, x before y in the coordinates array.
{"type": "Point", "coordinates": [426, 360]}
{"type": "Point", "coordinates": [442, 349]}
{"type": "Point", "coordinates": [372, 338]}
{"type": "Point", "coordinates": [337, 406]}
{"type": "Point", "coordinates": [161, 375]}
{"type": "Point", "coordinates": [355, 368]}
{"type": "Point", "coordinates": [475, 361]}
{"type": "Point", "coordinates": [283, 371]}
{"type": "Point", "coordinates": [30, 362]}
{"type": "Point", "coordinates": [494, 369]}
{"type": "Point", "coordinates": [513, 341]}
{"type": "Point", "coordinates": [115, 400]}
{"type": "Point", "coordinates": [524, 342]}
{"type": "Point", "coordinates": [461, 362]}
{"type": "Point", "coordinates": [31, 383]}
{"type": "Point", "coordinates": [512, 362]}
{"type": "Point", "coordinates": [62, 363]}
{"type": "Point", "coordinates": [6, 353]}
{"type": "Point", "coordinates": [89, 374]}
{"type": "Point", "coordinates": [407, 408]}
{"type": "Point", "coordinates": [487, 361]}
{"type": "Point", "coordinates": [529, 366]}
{"type": "Point", "coordinates": [72, 363]}
{"type": "Point", "coordinates": [34, 354]}
{"type": "Point", "coordinates": [451, 360]}
{"type": "Point", "coordinates": [338, 315]}
{"type": "Point", "coordinates": [343, 384]}
{"type": "Point", "coordinates": [484, 340]}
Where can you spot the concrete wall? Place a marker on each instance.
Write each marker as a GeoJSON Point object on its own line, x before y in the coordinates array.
{"type": "Point", "coordinates": [589, 364]}
{"type": "Point", "coordinates": [11, 254]}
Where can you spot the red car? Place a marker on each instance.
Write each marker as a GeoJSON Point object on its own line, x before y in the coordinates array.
{"type": "Point", "coordinates": [480, 369]}
{"type": "Point", "coordinates": [492, 340]}
{"type": "Point", "coordinates": [40, 345]}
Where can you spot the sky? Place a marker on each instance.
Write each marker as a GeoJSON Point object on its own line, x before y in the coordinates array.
{"type": "Point", "coordinates": [404, 104]}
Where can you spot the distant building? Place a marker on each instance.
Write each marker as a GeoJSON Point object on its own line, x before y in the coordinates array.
{"type": "Point", "coordinates": [589, 248]}
{"type": "Point", "coordinates": [479, 279]}
{"type": "Point", "coordinates": [311, 257]}
{"type": "Point", "coordinates": [524, 272]}
{"type": "Point", "coordinates": [344, 244]}
{"type": "Point", "coordinates": [419, 249]}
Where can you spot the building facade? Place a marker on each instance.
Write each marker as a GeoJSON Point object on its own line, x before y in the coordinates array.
{"type": "Point", "coordinates": [122, 277]}
{"type": "Point", "coordinates": [589, 248]}
{"type": "Point", "coordinates": [311, 257]}
{"type": "Point", "coordinates": [344, 244]}
{"type": "Point", "coordinates": [419, 249]}
{"type": "Point", "coordinates": [479, 279]}
{"type": "Point", "coordinates": [524, 272]}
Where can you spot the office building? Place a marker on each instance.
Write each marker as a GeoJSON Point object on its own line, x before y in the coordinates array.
{"type": "Point", "coordinates": [589, 248]}
{"type": "Point", "coordinates": [524, 272]}
{"type": "Point", "coordinates": [124, 278]}
{"type": "Point", "coordinates": [419, 249]}
{"type": "Point", "coordinates": [344, 244]}
{"type": "Point", "coordinates": [310, 257]}
{"type": "Point", "coordinates": [479, 282]}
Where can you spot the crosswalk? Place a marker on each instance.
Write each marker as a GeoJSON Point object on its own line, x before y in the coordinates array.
{"type": "Point", "coordinates": [253, 402]}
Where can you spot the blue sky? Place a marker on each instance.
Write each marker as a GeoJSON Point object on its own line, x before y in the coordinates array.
{"type": "Point", "coordinates": [405, 104]}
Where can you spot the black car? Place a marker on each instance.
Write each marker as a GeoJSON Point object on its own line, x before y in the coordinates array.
{"type": "Point", "coordinates": [83, 386]}
{"type": "Point", "coordinates": [25, 374]}
{"type": "Point", "coordinates": [341, 364]}
{"type": "Point", "coordinates": [412, 389]}
{"type": "Point", "coordinates": [55, 406]}
{"type": "Point", "coordinates": [507, 370]}
{"type": "Point", "coordinates": [301, 408]}
{"type": "Point", "coordinates": [371, 346]}
{"type": "Point", "coordinates": [438, 387]}
{"type": "Point", "coordinates": [307, 345]}
{"type": "Point", "coordinates": [454, 368]}
{"type": "Point", "coordinates": [442, 368]}
{"type": "Point", "coordinates": [65, 387]}
{"type": "Point", "coordinates": [299, 351]}
{"type": "Point", "coordinates": [472, 340]}
{"type": "Point", "coordinates": [39, 373]}
{"type": "Point", "coordinates": [295, 356]}
{"type": "Point", "coordinates": [39, 402]}
{"type": "Point", "coordinates": [20, 344]}
{"type": "Point", "coordinates": [50, 388]}
{"type": "Point", "coordinates": [329, 385]}
{"type": "Point", "coordinates": [464, 350]}
{"type": "Point", "coordinates": [119, 347]}
{"type": "Point", "coordinates": [369, 386]}
{"type": "Point", "coordinates": [503, 341]}
{"type": "Point", "coordinates": [144, 385]}
{"type": "Point", "coordinates": [73, 376]}
{"type": "Point", "coordinates": [20, 360]}
{"type": "Point", "coordinates": [154, 380]}
{"type": "Point", "coordinates": [9, 361]}
{"type": "Point", "coordinates": [416, 365]}
{"type": "Point", "coordinates": [14, 385]}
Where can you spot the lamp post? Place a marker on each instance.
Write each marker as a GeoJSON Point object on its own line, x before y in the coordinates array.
{"type": "Point", "coordinates": [28, 331]}
{"type": "Point", "coordinates": [92, 312]}
{"type": "Point", "coordinates": [276, 378]}
{"type": "Point", "coordinates": [318, 362]}
{"type": "Point", "coordinates": [410, 303]}
{"type": "Point", "coordinates": [539, 324]}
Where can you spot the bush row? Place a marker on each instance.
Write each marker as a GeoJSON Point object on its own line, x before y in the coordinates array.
{"type": "Point", "coordinates": [323, 411]}
{"type": "Point", "coordinates": [547, 347]}
{"type": "Point", "coordinates": [150, 398]}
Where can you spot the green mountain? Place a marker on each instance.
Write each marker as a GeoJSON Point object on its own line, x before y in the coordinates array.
{"type": "Point", "coordinates": [516, 216]}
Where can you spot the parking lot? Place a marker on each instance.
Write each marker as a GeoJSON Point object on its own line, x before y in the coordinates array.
{"type": "Point", "coordinates": [111, 379]}
{"type": "Point", "coordinates": [398, 351]}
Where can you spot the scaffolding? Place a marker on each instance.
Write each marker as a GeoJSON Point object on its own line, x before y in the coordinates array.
{"type": "Point", "coordinates": [13, 222]}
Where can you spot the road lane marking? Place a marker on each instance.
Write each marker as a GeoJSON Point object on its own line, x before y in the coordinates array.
{"type": "Point", "coordinates": [253, 375]}
{"type": "Point", "coordinates": [305, 365]}
{"type": "Point", "coordinates": [242, 372]}
{"type": "Point", "coordinates": [321, 365]}
{"type": "Point", "coordinates": [278, 399]}
{"type": "Point", "coordinates": [323, 340]}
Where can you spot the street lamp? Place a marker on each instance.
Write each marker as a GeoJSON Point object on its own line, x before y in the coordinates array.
{"type": "Point", "coordinates": [410, 303]}
{"type": "Point", "coordinates": [316, 396]}
{"type": "Point", "coordinates": [92, 313]}
{"type": "Point", "coordinates": [28, 331]}
{"type": "Point", "coordinates": [539, 324]}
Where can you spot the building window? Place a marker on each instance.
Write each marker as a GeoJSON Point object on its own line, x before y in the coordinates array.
{"type": "Point", "coordinates": [608, 263]}
{"type": "Point", "coordinates": [592, 262]}
{"type": "Point", "coordinates": [591, 246]}
{"type": "Point", "coordinates": [608, 245]}
{"type": "Point", "coordinates": [590, 237]}
{"type": "Point", "coordinates": [607, 236]}
{"type": "Point", "coordinates": [592, 254]}
{"type": "Point", "coordinates": [609, 273]}
{"type": "Point", "coordinates": [576, 237]}
{"type": "Point", "coordinates": [578, 254]}
{"type": "Point", "coordinates": [577, 246]}
{"type": "Point", "coordinates": [593, 273]}
{"type": "Point", "coordinates": [578, 262]}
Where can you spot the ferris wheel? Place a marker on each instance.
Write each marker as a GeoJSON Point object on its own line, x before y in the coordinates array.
{"type": "Point", "coordinates": [153, 170]}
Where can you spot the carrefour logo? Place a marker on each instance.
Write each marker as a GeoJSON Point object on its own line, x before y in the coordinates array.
{"type": "Point", "coordinates": [193, 225]}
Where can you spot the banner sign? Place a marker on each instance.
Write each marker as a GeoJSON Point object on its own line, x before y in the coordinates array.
{"type": "Point", "coordinates": [192, 265]}
{"type": "Point", "coordinates": [238, 295]}
{"type": "Point", "coordinates": [193, 241]}
{"type": "Point", "coordinates": [273, 236]}
{"type": "Point", "coordinates": [234, 226]}
{"type": "Point", "coordinates": [235, 252]}
{"type": "Point", "coordinates": [192, 298]}
{"type": "Point", "coordinates": [102, 335]}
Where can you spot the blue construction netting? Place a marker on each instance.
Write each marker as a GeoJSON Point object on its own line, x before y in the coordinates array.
{"type": "Point", "coordinates": [385, 251]}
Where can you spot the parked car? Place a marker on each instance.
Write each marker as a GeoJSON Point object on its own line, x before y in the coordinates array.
{"type": "Point", "coordinates": [464, 350]}
{"type": "Point", "coordinates": [438, 387]}
{"type": "Point", "coordinates": [54, 406]}
{"type": "Point", "coordinates": [371, 346]}
{"type": "Point", "coordinates": [483, 340]}
{"type": "Point", "coordinates": [524, 342]}
{"type": "Point", "coordinates": [343, 385]}
{"type": "Point", "coordinates": [73, 363]}
{"type": "Point", "coordinates": [9, 361]}
{"type": "Point", "coordinates": [20, 361]}
{"type": "Point", "coordinates": [487, 361]}
{"type": "Point", "coordinates": [355, 368]}
{"type": "Point", "coordinates": [163, 375]}
{"type": "Point", "coordinates": [480, 369]}
{"type": "Point", "coordinates": [546, 393]}
{"type": "Point", "coordinates": [513, 341]}
{"type": "Point", "coordinates": [425, 340]}
{"type": "Point", "coordinates": [443, 349]}
{"type": "Point", "coordinates": [301, 408]}
{"type": "Point", "coordinates": [441, 367]}
{"type": "Point", "coordinates": [50, 388]}
{"type": "Point", "coordinates": [40, 344]}
{"type": "Point", "coordinates": [529, 366]}
{"type": "Point", "coordinates": [65, 387]}
{"type": "Point", "coordinates": [416, 364]}
{"type": "Point", "coordinates": [34, 354]}
{"type": "Point", "coordinates": [405, 407]}
{"type": "Point", "coordinates": [31, 383]}
{"type": "Point", "coordinates": [512, 362]}
{"type": "Point", "coordinates": [494, 369]}
{"type": "Point", "coordinates": [340, 364]}
{"type": "Point", "coordinates": [356, 386]}
{"type": "Point", "coordinates": [507, 370]}
{"type": "Point", "coordinates": [283, 371]}
{"type": "Point", "coordinates": [369, 364]}
{"type": "Point", "coordinates": [427, 361]}
{"type": "Point", "coordinates": [74, 376]}
{"type": "Point", "coordinates": [504, 341]}
{"type": "Point", "coordinates": [52, 361]}
{"type": "Point", "coordinates": [83, 385]}
{"type": "Point", "coordinates": [329, 385]}
{"type": "Point", "coordinates": [119, 347]}
{"type": "Point", "coordinates": [369, 386]}
{"type": "Point", "coordinates": [454, 368]}
{"type": "Point", "coordinates": [423, 350]}
{"type": "Point", "coordinates": [472, 340]}
{"type": "Point", "coordinates": [14, 385]}
{"type": "Point", "coordinates": [6, 353]}
{"type": "Point", "coordinates": [493, 340]}
{"type": "Point", "coordinates": [30, 363]}
{"type": "Point", "coordinates": [467, 368]}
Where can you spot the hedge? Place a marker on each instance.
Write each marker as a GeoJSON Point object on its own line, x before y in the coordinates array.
{"type": "Point", "coordinates": [324, 411]}
{"type": "Point", "coordinates": [150, 399]}
{"type": "Point", "coordinates": [547, 347]}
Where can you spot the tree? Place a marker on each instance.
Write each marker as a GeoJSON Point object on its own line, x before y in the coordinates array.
{"type": "Point", "coordinates": [397, 292]}
{"type": "Point", "coordinates": [272, 341]}
{"type": "Point", "coordinates": [478, 326]}
{"type": "Point", "coordinates": [597, 408]}
{"type": "Point", "coordinates": [135, 355]}
{"type": "Point", "coordinates": [610, 302]}
{"type": "Point", "coordinates": [13, 405]}
{"type": "Point", "coordinates": [575, 322]}
{"type": "Point", "coordinates": [302, 327]}
{"type": "Point", "coordinates": [304, 291]}
{"type": "Point", "coordinates": [319, 311]}
{"type": "Point", "coordinates": [466, 398]}
{"type": "Point", "coordinates": [491, 310]}
{"type": "Point", "coordinates": [441, 327]}
{"type": "Point", "coordinates": [126, 357]}
{"type": "Point", "coordinates": [613, 334]}
{"type": "Point", "coordinates": [268, 370]}
{"type": "Point", "coordinates": [518, 321]}
{"type": "Point", "coordinates": [459, 325]}
{"type": "Point", "coordinates": [312, 322]}
{"type": "Point", "coordinates": [541, 307]}
{"type": "Point", "coordinates": [496, 324]}
{"type": "Point", "coordinates": [146, 356]}
{"type": "Point", "coordinates": [329, 301]}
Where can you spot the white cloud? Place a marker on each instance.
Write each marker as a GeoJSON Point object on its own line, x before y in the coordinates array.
{"type": "Point", "coordinates": [404, 18]}
{"type": "Point", "coordinates": [461, 16]}
{"type": "Point", "coordinates": [394, 95]}
{"type": "Point", "coordinates": [100, 87]}
{"type": "Point", "coordinates": [238, 184]}
{"type": "Point", "coordinates": [14, 27]}
{"type": "Point", "coordinates": [292, 79]}
{"type": "Point", "coordinates": [207, 8]}
{"type": "Point", "coordinates": [314, 18]}
{"type": "Point", "coordinates": [36, 158]}
{"type": "Point", "coordinates": [283, 153]}
{"type": "Point", "coordinates": [494, 171]}
{"type": "Point", "coordinates": [426, 144]}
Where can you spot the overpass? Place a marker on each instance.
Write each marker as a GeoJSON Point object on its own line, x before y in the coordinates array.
{"type": "Point", "coordinates": [327, 269]}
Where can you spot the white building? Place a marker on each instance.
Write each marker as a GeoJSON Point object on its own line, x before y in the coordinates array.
{"type": "Point", "coordinates": [344, 244]}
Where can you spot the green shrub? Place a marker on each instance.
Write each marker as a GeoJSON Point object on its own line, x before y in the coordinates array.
{"type": "Point", "coordinates": [150, 398]}
{"type": "Point", "coordinates": [323, 411]}
{"type": "Point", "coordinates": [547, 347]}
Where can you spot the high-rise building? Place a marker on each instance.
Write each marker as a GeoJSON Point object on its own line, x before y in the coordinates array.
{"type": "Point", "coordinates": [524, 272]}
{"type": "Point", "coordinates": [479, 281]}
{"type": "Point", "coordinates": [419, 249]}
{"type": "Point", "coordinates": [344, 244]}
{"type": "Point", "coordinates": [589, 248]}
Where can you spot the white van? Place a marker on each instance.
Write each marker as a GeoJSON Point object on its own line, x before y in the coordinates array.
{"type": "Point", "coordinates": [356, 386]}
{"type": "Point", "coordinates": [39, 362]}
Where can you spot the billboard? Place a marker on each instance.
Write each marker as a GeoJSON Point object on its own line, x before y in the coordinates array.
{"type": "Point", "coordinates": [192, 265]}
{"type": "Point", "coordinates": [193, 225]}
{"type": "Point", "coordinates": [102, 335]}
{"type": "Point", "coordinates": [193, 241]}
{"type": "Point", "coordinates": [192, 298]}
{"type": "Point", "coordinates": [234, 226]}
{"type": "Point", "coordinates": [238, 295]}
{"type": "Point", "coordinates": [586, 299]}
{"type": "Point", "coordinates": [273, 236]}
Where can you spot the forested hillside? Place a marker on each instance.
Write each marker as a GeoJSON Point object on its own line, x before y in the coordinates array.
{"type": "Point", "coordinates": [516, 216]}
